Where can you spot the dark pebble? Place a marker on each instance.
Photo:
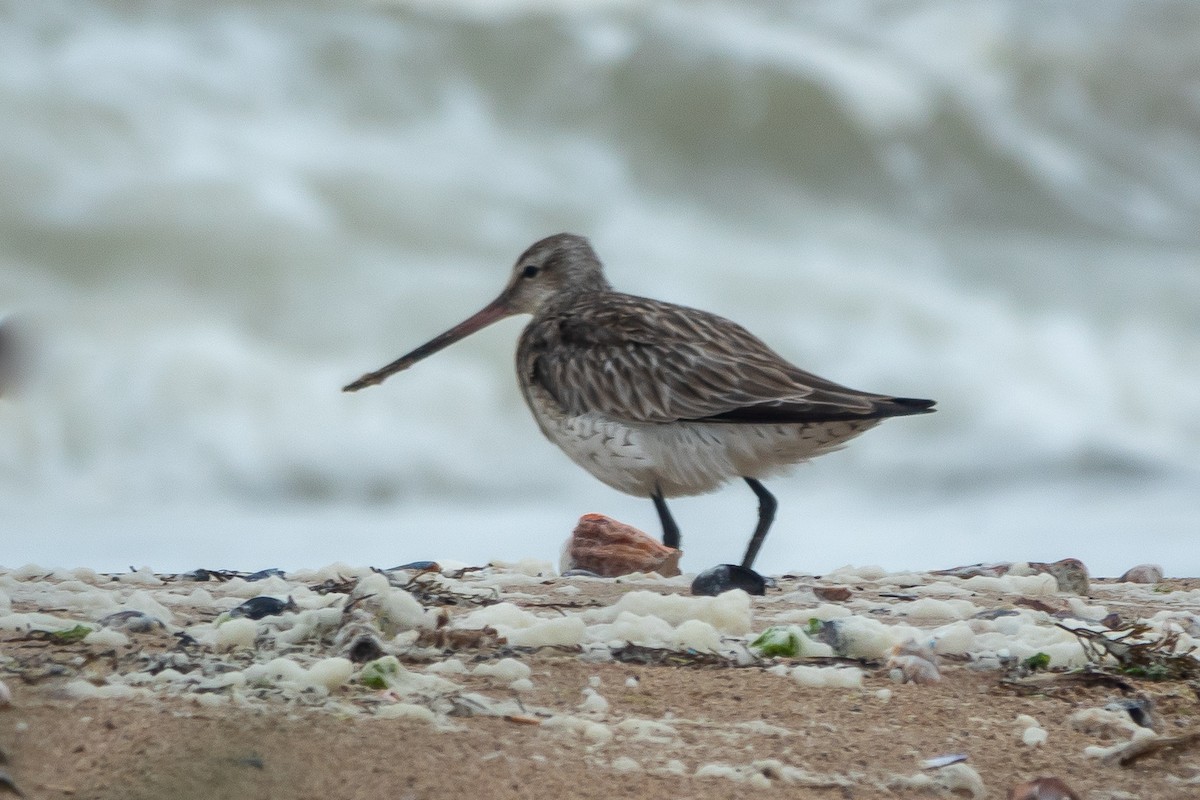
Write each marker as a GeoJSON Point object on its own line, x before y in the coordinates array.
{"type": "Point", "coordinates": [259, 607]}
{"type": "Point", "coordinates": [199, 575]}
{"type": "Point", "coordinates": [724, 577]}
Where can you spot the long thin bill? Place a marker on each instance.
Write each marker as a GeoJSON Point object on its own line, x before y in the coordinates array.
{"type": "Point", "coordinates": [493, 311]}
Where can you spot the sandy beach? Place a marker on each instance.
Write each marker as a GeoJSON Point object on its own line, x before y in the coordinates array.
{"type": "Point", "coordinates": [510, 681]}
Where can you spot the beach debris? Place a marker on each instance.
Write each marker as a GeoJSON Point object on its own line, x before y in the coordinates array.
{"type": "Point", "coordinates": [1062, 682]}
{"type": "Point", "coordinates": [380, 673]}
{"type": "Point", "coordinates": [5, 697]}
{"type": "Point", "coordinates": [1032, 733]}
{"type": "Point", "coordinates": [960, 780]}
{"type": "Point", "coordinates": [132, 621]}
{"type": "Point", "coordinates": [417, 566]}
{"type": "Point", "coordinates": [1042, 789]}
{"type": "Point", "coordinates": [454, 639]}
{"type": "Point", "coordinates": [72, 634]}
{"type": "Point", "coordinates": [1140, 709]}
{"type": "Point", "coordinates": [263, 606]}
{"type": "Point", "coordinates": [724, 577]}
{"type": "Point", "coordinates": [1143, 573]}
{"type": "Point", "coordinates": [641, 654]}
{"type": "Point", "coordinates": [263, 574]}
{"type": "Point", "coordinates": [1142, 746]}
{"type": "Point", "coordinates": [523, 719]}
{"type": "Point", "coordinates": [579, 573]}
{"type": "Point", "coordinates": [832, 594]}
{"type": "Point", "coordinates": [1070, 574]}
{"type": "Point", "coordinates": [1035, 662]}
{"type": "Point", "coordinates": [1138, 651]}
{"type": "Point", "coordinates": [937, 762]}
{"type": "Point", "coordinates": [779, 641]}
{"type": "Point", "coordinates": [610, 548]}
{"type": "Point", "coordinates": [911, 662]}
{"type": "Point", "coordinates": [200, 575]}
{"type": "Point", "coordinates": [358, 639]}
{"type": "Point", "coordinates": [976, 570]}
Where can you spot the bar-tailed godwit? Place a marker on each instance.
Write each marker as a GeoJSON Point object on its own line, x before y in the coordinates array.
{"type": "Point", "coordinates": [659, 400]}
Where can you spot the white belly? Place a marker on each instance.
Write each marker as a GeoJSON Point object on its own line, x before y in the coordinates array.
{"type": "Point", "coordinates": [685, 458]}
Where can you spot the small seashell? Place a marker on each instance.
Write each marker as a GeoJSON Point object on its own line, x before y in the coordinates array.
{"type": "Point", "coordinates": [610, 548]}
{"type": "Point", "coordinates": [263, 606]}
{"type": "Point", "coordinates": [833, 594]}
{"type": "Point", "coordinates": [914, 663]}
{"type": "Point", "coordinates": [1042, 789]}
{"type": "Point", "coordinates": [1143, 573]}
{"type": "Point", "coordinates": [937, 762]}
{"type": "Point", "coordinates": [724, 577]}
{"type": "Point", "coordinates": [5, 695]}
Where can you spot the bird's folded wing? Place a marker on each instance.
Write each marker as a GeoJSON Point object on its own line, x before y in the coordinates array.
{"type": "Point", "coordinates": [644, 361]}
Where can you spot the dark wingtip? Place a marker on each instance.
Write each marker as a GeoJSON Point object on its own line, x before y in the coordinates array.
{"type": "Point", "coordinates": [911, 405]}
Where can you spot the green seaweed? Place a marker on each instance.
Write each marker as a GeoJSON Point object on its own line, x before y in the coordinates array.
{"type": "Point", "coordinates": [778, 640]}
{"type": "Point", "coordinates": [74, 634]}
{"type": "Point", "coordinates": [380, 673]}
{"type": "Point", "coordinates": [1036, 661]}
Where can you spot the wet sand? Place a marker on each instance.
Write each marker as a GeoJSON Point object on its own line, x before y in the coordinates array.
{"type": "Point", "coordinates": [155, 713]}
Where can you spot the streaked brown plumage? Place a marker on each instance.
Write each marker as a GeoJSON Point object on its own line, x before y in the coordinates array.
{"type": "Point", "coordinates": [655, 399]}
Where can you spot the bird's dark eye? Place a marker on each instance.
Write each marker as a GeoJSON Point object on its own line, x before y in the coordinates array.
{"type": "Point", "coordinates": [530, 271]}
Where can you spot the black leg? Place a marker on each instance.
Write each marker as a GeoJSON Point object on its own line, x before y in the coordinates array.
{"type": "Point", "coordinates": [766, 515]}
{"type": "Point", "coordinates": [670, 529]}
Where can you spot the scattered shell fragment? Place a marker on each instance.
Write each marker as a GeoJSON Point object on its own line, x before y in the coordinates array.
{"type": "Point", "coordinates": [132, 622]}
{"type": "Point", "coordinates": [1143, 573]}
{"type": "Point", "coordinates": [610, 548]}
{"type": "Point", "coordinates": [832, 594]}
{"type": "Point", "coordinates": [1042, 789]}
{"type": "Point", "coordinates": [725, 577]}
{"type": "Point", "coordinates": [5, 695]}
{"type": "Point", "coordinates": [914, 663]}
{"type": "Point", "coordinates": [937, 762]}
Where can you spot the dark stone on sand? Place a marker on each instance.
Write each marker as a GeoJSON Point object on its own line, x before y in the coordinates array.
{"type": "Point", "coordinates": [724, 577]}
{"type": "Point", "coordinates": [1143, 573]}
{"type": "Point", "coordinates": [263, 606]}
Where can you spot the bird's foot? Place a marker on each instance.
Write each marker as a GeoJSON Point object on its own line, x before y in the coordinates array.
{"type": "Point", "coordinates": [723, 577]}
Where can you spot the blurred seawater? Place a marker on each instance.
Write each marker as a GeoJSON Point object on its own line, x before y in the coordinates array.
{"type": "Point", "coordinates": [215, 215]}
